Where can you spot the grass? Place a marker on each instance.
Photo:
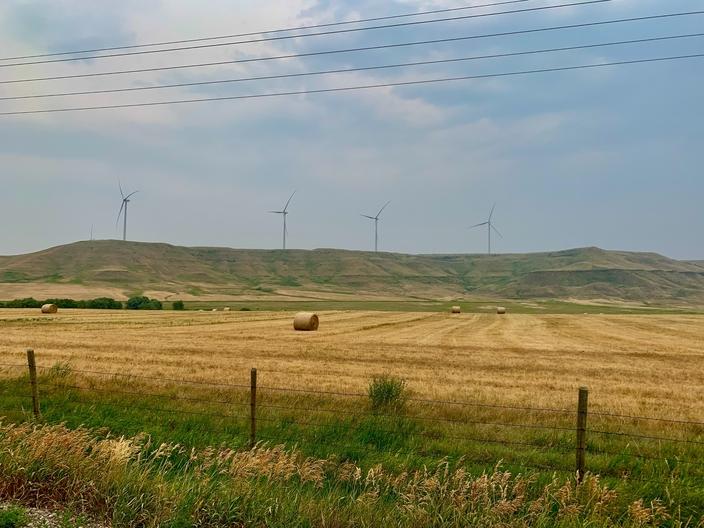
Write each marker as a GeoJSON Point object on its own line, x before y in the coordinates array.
{"type": "Point", "coordinates": [13, 517]}
{"type": "Point", "coordinates": [644, 365]}
{"type": "Point", "coordinates": [118, 455]}
{"type": "Point", "coordinates": [553, 307]}
{"type": "Point", "coordinates": [134, 482]}
{"type": "Point", "coordinates": [339, 460]}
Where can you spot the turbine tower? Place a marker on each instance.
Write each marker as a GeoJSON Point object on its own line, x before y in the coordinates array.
{"type": "Point", "coordinates": [284, 213]}
{"type": "Point", "coordinates": [489, 226]}
{"type": "Point", "coordinates": [376, 226]}
{"type": "Point", "coordinates": [123, 211]}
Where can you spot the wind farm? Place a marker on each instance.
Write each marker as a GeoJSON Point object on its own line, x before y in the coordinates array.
{"type": "Point", "coordinates": [486, 310]}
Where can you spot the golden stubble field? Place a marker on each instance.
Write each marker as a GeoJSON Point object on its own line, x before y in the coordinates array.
{"type": "Point", "coordinates": [650, 365]}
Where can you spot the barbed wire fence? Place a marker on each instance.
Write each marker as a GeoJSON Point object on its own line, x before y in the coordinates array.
{"type": "Point", "coordinates": [256, 412]}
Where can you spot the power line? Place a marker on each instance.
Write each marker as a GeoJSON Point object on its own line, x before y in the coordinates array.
{"type": "Point", "coordinates": [269, 31]}
{"type": "Point", "coordinates": [349, 70]}
{"type": "Point", "coordinates": [320, 33]}
{"type": "Point", "coordinates": [358, 49]}
{"type": "Point", "coordinates": [353, 88]}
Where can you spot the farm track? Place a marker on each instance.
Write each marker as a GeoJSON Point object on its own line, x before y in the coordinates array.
{"type": "Point", "coordinates": [634, 364]}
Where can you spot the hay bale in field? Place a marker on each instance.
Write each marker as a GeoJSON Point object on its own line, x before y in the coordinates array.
{"type": "Point", "coordinates": [500, 310]}
{"type": "Point", "coordinates": [456, 310]}
{"type": "Point", "coordinates": [49, 309]}
{"type": "Point", "coordinates": [306, 322]}
{"type": "Point", "coordinates": [214, 310]}
{"type": "Point", "coordinates": [226, 309]}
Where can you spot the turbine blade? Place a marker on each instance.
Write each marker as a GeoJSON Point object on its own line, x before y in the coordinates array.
{"type": "Point", "coordinates": [119, 184]}
{"type": "Point", "coordinates": [289, 201]}
{"type": "Point", "coordinates": [276, 212]}
{"type": "Point", "coordinates": [380, 210]}
{"type": "Point", "coordinates": [129, 195]}
{"type": "Point", "coordinates": [497, 231]}
{"type": "Point", "coordinates": [479, 225]}
{"type": "Point", "coordinates": [120, 213]}
{"type": "Point", "coordinates": [492, 212]}
{"type": "Point", "coordinates": [370, 217]}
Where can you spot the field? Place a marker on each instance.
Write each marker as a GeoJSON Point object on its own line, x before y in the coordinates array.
{"type": "Point", "coordinates": [184, 378]}
{"type": "Point", "coordinates": [636, 364]}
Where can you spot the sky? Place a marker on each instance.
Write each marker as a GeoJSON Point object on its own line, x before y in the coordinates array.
{"type": "Point", "coordinates": [609, 157]}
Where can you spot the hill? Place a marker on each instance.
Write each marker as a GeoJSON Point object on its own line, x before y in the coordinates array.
{"type": "Point", "coordinates": [119, 269]}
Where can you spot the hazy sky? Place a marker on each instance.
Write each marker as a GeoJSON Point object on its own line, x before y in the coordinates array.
{"type": "Point", "coordinates": [610, 157]}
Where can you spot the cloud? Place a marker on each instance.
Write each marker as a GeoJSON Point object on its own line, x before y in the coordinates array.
{"type": "Point", "coordinates": [533, 143]}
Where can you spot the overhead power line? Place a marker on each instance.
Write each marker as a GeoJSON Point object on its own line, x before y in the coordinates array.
{"type": "Point", "coordinates": [263, 32]}
{"type": "Point", "coordinates": [353, 88]}
{"type": "Point", "coordinates": [320, 33]}
{"type": "Point", "coordinates": [353, 50]}
{"type": "Point", "coordinates": [358, 69]}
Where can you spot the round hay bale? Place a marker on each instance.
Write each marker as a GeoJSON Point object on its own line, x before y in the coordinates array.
{"type": "Point", "coordinates": [49, 309]}
{"type": "Point", "coordinates": [306, 322]}
{"type": "Point", "coordinates": [214, 310]}
{"type": "Point", "coordinates": [226, 309]}
{"type": "Point", "coordinates": [500, 310]}
{"type": "Point", "coordinates": [456, 310]}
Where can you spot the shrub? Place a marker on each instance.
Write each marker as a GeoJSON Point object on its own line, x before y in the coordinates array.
{"type": "Point", "coordinates": [245, 309]}
{"type": "Point", "coordinates": [143, 303]}
{"type": "Point", "coordinates": [178, 306]}
{"type": "Point", "coordinates": [66, 303]}
{"type": "Point", "coordinates": [13, 517]}
{"type": "Point", "coordinates": [103, 303]}
{"type": "Point", "coordinates": [387, 393]}
{"type": "Point", "coordinates": [28, 302]}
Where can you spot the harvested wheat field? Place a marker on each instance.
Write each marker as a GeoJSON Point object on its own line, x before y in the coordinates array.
{"type": "Point", "coordinates": [646, 365]}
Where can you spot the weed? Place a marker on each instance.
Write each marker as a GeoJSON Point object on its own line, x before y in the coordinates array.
{"type": "Point", "coordinates": [387, 393]}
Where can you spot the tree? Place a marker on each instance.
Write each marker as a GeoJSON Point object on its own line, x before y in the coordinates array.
{"type": "Point", "coordinates": [178, 305]}
{"type": "Point", "coordinates": [143, 303]}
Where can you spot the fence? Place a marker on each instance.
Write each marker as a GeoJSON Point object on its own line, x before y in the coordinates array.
{"type": "Point", "coordinates": [265, 417]}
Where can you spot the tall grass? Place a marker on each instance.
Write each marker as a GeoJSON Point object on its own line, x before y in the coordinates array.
{"type": "Point", "coordinates": [133, 482]}
{"type": "Point", "coordinates": [326, 461]}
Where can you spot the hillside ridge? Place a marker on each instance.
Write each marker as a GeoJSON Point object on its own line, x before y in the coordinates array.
{"type": "Point", "coordinates": [167, 271]}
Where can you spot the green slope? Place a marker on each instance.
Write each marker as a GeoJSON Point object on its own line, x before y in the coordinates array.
{"type": "Point", "coordinates": [588, 273]}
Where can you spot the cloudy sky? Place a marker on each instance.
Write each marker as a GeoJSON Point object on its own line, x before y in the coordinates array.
{"type": "Point", "coordinates": [608, 157]}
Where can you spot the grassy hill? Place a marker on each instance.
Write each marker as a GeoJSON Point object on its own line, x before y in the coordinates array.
{"type": "Point", "coordinates": [85, 269]}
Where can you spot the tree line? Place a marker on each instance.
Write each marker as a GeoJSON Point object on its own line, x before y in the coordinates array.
{"type": "Point", "coordinates": [139, 302]}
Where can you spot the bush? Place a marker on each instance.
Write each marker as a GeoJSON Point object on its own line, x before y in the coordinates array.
{"type": "Point", "coordinates": [13, 517]}
{"type": "Point", "coordinates": [143, 303]}
{"type": "Point", "coordinates": [178, 306]}
{"type": "Point", "coordinates": [387, 393]}
{"type": "Point", "coordinates": [66, 303]}
{"type": "Point", "coordinates": [29, 302]}
{"type": "Point", "coordinates": [103, 303]}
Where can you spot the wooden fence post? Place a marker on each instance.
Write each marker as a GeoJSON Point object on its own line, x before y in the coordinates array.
{"type": "Point", "coordinates": [582, 405]}
{"type": "Point", "coordinates": [31, 363]}
{"type": "Point", "coordinates": [253, 408]}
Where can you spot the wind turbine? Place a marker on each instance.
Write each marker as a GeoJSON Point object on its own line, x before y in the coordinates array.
{"type": "Point", "coordinates": [489, 226]}
{"type": "Point", "coordinates": [284, 212]}
{"type": "Point", "coordinates": [376, 226]}
{"type": "Point", "coordinates": [123, 208]}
